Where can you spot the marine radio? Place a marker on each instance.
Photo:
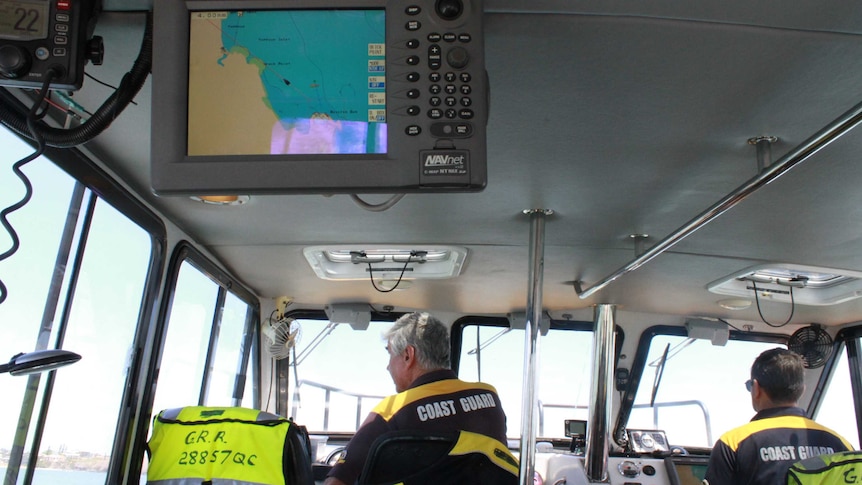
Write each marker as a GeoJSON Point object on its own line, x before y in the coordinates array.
{"type": "Point", "coordinates": [37, 36]}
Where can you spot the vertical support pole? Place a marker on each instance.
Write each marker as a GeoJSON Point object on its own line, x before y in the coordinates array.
{"type": "Point", "coordinates": [531, 344]}
{"type": "Point", "coordinates": [598, 427]}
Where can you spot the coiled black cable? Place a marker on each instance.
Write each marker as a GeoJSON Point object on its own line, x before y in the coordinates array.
{"type": "Point", "coordinates": [118, 101]}
{"type": "Point", "coordinates": [33, 116]}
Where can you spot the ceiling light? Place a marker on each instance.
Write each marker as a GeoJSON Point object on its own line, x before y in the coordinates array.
{"type": "Point", "coordinates": [734, 303]}
{"type": "Point", "coordinates": [804, 285]}
{"type": "Point", "coordinates": [221, 199]}
{"type": "Point", "coordinates": [385, 263]}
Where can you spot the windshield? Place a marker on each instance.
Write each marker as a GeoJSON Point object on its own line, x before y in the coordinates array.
{"type": "Point", "coordinates": [495, 354]}
{"type": "Point", "coordinates": [698, 389]}
{"type": "Point", "coordinates": [341, 374]}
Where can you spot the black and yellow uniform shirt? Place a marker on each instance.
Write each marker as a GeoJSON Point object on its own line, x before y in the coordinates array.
{"type": "Point", "coordinates": [762, 451]}
{"type": "Point", "coordinates": [437, 401]}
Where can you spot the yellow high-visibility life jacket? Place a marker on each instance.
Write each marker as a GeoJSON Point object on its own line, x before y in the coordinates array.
{"type": "Point", "coordinates": [843, 467]}
{"type": "Point", "coordinates": [227, 445]}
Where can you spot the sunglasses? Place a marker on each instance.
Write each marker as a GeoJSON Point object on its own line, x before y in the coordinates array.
{"type": "Point", "coordinates": [748, 385]}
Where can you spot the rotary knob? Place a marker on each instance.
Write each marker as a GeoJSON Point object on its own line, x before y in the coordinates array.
{"type": "Point", "coordinates": [14, 61]}
{"type": "Point", "coordinates": [458, 57]}
{"type": "Point", "coordinates": [449, 9]}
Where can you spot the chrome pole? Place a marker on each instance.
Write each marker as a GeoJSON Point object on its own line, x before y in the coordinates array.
{"type": "Point", "coordinates": [531, 344]}
{"type": "Point", "coordinates": [812, 145]}
{"type": "Point", "coordinates": [601, 397]}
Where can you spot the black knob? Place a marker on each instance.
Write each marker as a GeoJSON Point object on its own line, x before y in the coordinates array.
{"type": "Point", "coordinates": [14, 61]}
{"type": "Point", "coordinates": [95, 52]}
{"type": "Point", "coordinates": [449, 9]}
{"type": "Point", "coordinates": [458, 57]}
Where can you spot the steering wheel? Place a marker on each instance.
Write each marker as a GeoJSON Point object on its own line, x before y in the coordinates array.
{"type": "Point", "coordinates": [335, 455]}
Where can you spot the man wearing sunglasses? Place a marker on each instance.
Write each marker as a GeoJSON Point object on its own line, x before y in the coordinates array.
{"type": "Point", "coordinates": [779, 435]}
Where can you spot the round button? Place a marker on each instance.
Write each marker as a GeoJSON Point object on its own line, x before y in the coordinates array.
{"type": "Point", "coordinates": [42, 53]}
{"type": "Point", "coordinates": [413, 76]}
{"type": "Point", "coordinates": [413, 60]}
{"type": "Point", "coordinates": [413, 110]}
{"type": "Point", "coordinates": [413, 43]}
{"type": "Point", "coordinates": [449, 9]}
{"type": "Point", "coordinates": [413, 93]}
{"type": "Point", "coordinates": [434, 77]}
{"type": "Point", "coordinates": [413, 130]}
{"type": "Point", "coordinates": [413, 10]}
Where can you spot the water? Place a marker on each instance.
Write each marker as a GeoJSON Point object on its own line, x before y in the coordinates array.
{"type": "Point", "coordinates": [49, 476]}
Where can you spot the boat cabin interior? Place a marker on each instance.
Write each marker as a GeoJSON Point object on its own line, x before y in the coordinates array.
{"type": "Point", "coordinates": [614, 206]}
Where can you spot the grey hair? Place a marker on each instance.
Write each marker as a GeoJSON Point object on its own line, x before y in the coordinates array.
{"type": "Point", "coordinates": [429, 336]}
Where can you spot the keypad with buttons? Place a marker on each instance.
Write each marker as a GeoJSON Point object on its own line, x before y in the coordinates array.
{"type": "Point", "coordinates": [436, 88]}
{"type": "Point", "coordinates": [449, 89]}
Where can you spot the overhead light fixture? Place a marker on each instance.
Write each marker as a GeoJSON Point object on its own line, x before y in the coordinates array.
{"type": "Point", "coordinates": [734, 303]}
{"type": "Point", "coordinates": [807, 285]}
{"type": "Point", "coordinates": [221, 199]}
{"type": "Point", "coordinates": [385, 263]}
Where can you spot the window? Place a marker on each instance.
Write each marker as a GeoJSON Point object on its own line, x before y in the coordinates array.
{"type": "Point", "coordinates": [495, 355]}
{"type": "Point", "coordinates": [77, 282]}
{"type": "Point", "coordinates": [207, 346]}
{"type": "Point", "coordinates": [333, 395]}
{"type": "Point", "coordinates": [836, 409]}
{"type": "Point", "coordinates": [701, 392]}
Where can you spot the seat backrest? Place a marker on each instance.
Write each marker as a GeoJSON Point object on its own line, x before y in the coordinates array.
{"type": "Point", "coordinates": [842, 467]}
{"type": "Point", "coordinates": [227, 445]}
{"type": "Point", "coordinates": [419, 458]}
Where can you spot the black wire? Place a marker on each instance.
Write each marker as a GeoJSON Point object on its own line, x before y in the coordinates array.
{"type": "Point", "coordinates": [757, 300]}
{"type": "Point", "coordinates": [371, 275]}
{"type": "Point", "coordinates": [729, 325]}
{"type": "Point", "coordinates": [32, 117]}
{"type": "Point", "coordinates": [103, 83]}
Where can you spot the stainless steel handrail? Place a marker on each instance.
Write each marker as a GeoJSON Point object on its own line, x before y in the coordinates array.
{"type": "Point", "coordinates": [328, 390]}
{"type": "Point", "coordinates": [828, 134]}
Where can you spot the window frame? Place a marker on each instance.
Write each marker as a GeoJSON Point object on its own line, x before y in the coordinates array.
{"type": "Point", "coordinates": [639, 364]}
{"type": "Point", "coordinates": [125, 461]}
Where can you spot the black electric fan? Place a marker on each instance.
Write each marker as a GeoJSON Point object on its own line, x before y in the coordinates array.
{"type": "Point", "coordinates": [813, 344]}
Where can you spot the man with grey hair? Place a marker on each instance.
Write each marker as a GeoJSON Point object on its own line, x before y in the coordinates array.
{"type": "Point", "coordinates": [430, 396]}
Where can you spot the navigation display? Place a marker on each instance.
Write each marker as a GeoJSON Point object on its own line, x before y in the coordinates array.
{"type": "Point", "coordinates": [287, 82]}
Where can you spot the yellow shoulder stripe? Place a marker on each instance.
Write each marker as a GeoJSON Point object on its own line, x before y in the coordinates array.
{"type": "Point", "coordinates": [390, 405]}
{"type": "Point", "coordinates": [496, 451]}
{"type": "Point", "coordinates": [735, 436]}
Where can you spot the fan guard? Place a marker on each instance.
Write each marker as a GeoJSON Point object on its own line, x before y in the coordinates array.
{"type": "Point", "coordinates": [283, 336]}
{"type": "Point", "coordinates": [813, 344]}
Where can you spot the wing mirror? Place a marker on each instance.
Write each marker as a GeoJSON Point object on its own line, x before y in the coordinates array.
{"type": "Point", "coordinates": [39, 361]}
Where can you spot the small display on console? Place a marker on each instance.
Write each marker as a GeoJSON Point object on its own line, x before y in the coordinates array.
{"type": "Point", "coordinates": [686, 470]}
